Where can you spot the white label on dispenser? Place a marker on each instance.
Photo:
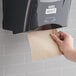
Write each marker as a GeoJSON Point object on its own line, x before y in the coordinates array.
{"type": "Point", "coordinates": [49, 0]}
{"type": "Point", "coordinates": [51, 10]}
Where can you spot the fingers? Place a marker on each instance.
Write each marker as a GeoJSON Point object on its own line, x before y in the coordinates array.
{"type": "Point", "coordinates": [63, 34]}
{"type": "Point", "coordinates": [56, 39]}
{"type": "Point", "coordinates": [60, 37]}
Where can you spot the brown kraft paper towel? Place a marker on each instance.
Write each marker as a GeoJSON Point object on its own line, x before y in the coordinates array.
{"type": "Point", "coordinates": [42, 45]}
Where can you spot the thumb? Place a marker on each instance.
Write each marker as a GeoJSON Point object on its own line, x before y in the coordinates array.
{"type": "Point", "coordinates": [56, 39]}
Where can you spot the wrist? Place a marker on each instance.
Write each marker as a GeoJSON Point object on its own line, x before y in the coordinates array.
{"type": "Point", "coordinates": [70, 54]}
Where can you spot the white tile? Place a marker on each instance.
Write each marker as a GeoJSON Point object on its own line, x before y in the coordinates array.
{"type": "Point", "coordinates": [1, 61]}
{"type": "Point", "coordinates": [4, 37]}
{"type": "Point", "coordinates": [17, 44]}
{"type": "Point", "coordinates": [2, 50]}
{"type": "Point", "coordinates": [28, 57]}
{"type": "Point", "coordinates": [13, 49]}
{"type": "Point", "coordinates": [37, 73]}
{"type": "Point", "coordinates": [14, 59]}
{"type": "Point", "coordinates": [52, 62]}
{"type": "Point", "coordinates": [69, 71]}
{"type": "Point", "coordinates": [1, 71]}
{"type": "Point", "coordinates": [16, 74]}
{"type": "Point", "coordinates": [15, 70]}
{"type": "Point", "coordinates": [35, 66]}
{"type": "Point", "coordinates": [22, 40]}
{"type": "Point", "coordinates": [49, 72]}
{"type": "Point", "coordinates": [53, 72]}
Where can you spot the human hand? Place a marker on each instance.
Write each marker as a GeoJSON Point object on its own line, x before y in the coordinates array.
{"type": "Point", "coordinates": [65, 43]}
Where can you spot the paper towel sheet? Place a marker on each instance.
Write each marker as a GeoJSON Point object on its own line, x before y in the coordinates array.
{"type": "Point", "coordinates": [42, 45]}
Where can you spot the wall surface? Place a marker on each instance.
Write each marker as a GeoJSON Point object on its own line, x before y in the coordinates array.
{"type": "Point", "coordinates": [15, 59]}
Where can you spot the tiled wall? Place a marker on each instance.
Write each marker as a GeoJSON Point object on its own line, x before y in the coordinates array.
{"type": "Point", "coordinates": [15, 57]}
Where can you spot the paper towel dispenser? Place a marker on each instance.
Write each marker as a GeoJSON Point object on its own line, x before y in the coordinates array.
{"type": "Point", "coordinates": [26, 15]}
